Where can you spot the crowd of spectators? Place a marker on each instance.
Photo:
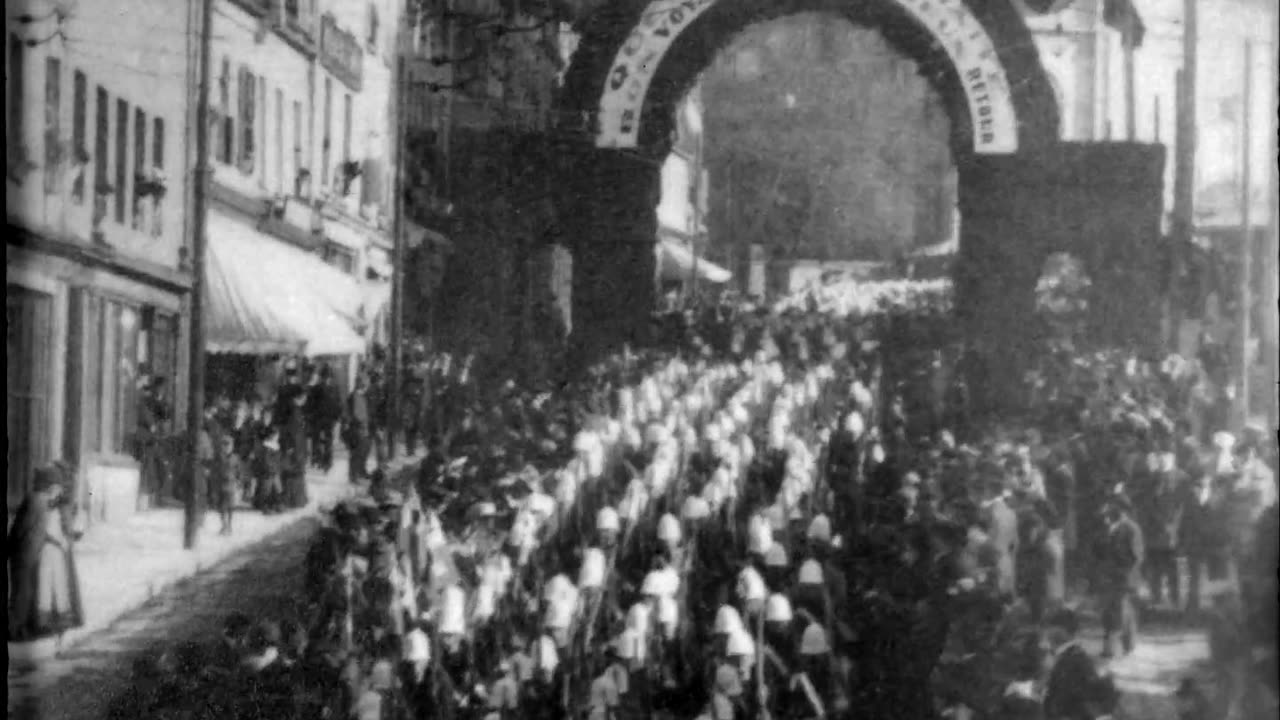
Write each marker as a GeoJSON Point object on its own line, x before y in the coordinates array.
{"type": "Point", "coordinates": [765, 514]}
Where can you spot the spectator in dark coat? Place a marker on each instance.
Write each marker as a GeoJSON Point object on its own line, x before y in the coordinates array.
{"type": "Point", "coordinates": [1120, 562]}
{"type": "Point", "coordinates": [1074, 690]}
{"type": "Point", "coordinates": [357, 428]}
{"type": "Point", "coordinates": [265, 467]}
{"type": "Point", "coordinates": [1164, 516]}
{"type": "Point", "coordinates": [290, 418]}
{"type": "Point", "coordinates": [1202, 537]}
{"type": "Point", "coordinates": [323, 410]}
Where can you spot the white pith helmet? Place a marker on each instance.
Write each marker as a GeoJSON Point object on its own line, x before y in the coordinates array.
{"type": "Point", "coordinates": [778, 609]}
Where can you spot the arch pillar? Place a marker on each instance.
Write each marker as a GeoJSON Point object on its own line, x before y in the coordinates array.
{"type": "Point", "coordinates": [611, 225]}
{"type": "Point", "coordinates": [1101, 202]}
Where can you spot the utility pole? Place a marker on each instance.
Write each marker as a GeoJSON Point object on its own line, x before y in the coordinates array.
{"type": "Point", "coordinates": [397, 263]}
{"type": "Point", "coordinates": [1184, 170]}
{"type": "Point", "coordinates": [199, 240]}
{"type": "Point", "coordinates": [1269, 332]}
{"type": "Point", "coordinates": [1246, 231]}
{"type": "Point", "coordinates": [1130, 90]}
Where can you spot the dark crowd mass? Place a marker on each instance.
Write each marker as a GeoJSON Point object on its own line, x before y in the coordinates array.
{"type": "Point", "coordinates": [768, 515]}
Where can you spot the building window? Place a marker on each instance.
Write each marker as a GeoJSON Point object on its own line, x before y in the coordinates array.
{"type": "Point", "coordinates": [54, 148]}
{"type": "Point", "coordinates": [139, 167]}
{"type": "Point", "coordinates": [372, 40]}
{"type": "Point", "coordinates": [300, 187]}
{"type": "Point", "coordinates": [328, 128]}
{"type": "Point", "coordinates": [157, 161]}
{"type": "Point", "coordinates": [261, 119]}
{"type": "Point", "coordinates": [16, 74]}
{"type": "Point", "coordinates": [157, 144]}
{"type": "Point", "coordinates": [278, 141]}
{"type": "Point", "coordinates": [247, 97]}
{"type": "Point", "coordinates": [101, 149]}
{"type": "Point", "coordinates": [347, 117]}
{"type": "Point", "coordinates": [79, 149]}
{"type": "Point", "coordinates": [122, 158]}
{"type": "Point", "coordinates": [223, 119]}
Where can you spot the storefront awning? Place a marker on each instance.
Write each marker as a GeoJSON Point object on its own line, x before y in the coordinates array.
{"type": "Point", "coordinates": [266, 297]}
{"type": "Point", "coordinates": [676, 262]}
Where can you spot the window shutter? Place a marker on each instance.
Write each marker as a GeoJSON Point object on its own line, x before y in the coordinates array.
{"type": "Point", "coordinates": [247, 97]}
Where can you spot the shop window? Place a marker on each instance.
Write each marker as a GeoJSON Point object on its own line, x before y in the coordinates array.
{"type": "Point", "coordinates": [29, 356]}
{"type": "Point", "coordinates": [53, 144]}
{"type": "Point", "coordinates": [93, 363]}
{"type": "Point", "coordinates": [79, 147]}
{"type": "Point", "coordinates": [122, 158]}
{"type": "Point", "coordinates": [162, 356]}
{"type": "Point", "coordinates": [117, 386]}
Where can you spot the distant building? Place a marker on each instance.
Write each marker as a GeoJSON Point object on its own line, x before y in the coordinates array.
{"type": "Point", "coordinates": [300, 220]}
{"type": "Point", "coordinates": [479, 109]}
{"type": "Point", "coordinates": [682, 210]}
{"type": "Point", "coordinates": [96, 258]}
{"type": "Point", "coordinates": [101, 103]}
{"type": "Point", "coordinates": [1084, 55]}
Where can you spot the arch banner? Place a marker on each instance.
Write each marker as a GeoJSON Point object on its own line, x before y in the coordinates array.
{"type": "Point", "coordinates": [951, 23]}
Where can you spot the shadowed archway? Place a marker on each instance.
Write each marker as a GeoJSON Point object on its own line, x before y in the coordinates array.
{"type": "Point", "coordinates": [637, 58]}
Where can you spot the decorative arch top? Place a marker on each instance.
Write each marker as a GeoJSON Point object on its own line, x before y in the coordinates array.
{"type": "Point", "coordinates": [950, 22]}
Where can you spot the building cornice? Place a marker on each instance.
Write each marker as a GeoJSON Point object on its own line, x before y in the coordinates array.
{"type": "Point", "coordinates": [297, 37]}
{"type": "Point", "coordinates": [96, 256]}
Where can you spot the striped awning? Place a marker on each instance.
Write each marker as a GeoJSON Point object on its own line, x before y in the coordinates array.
{"type": "Point", "coordinates": [676, 262]}
{"type": "Point", "coordinates": [266, 297]}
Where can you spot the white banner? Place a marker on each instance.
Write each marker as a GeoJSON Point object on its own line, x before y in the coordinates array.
{"type": "Point", "coordinates": [952, 24]}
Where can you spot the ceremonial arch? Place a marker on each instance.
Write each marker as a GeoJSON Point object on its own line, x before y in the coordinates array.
{"type": "Point", "coordinates": [1023, 193]}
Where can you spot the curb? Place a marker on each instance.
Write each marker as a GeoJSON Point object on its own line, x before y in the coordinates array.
{"type": "Point", "coordinates": [27, 657]}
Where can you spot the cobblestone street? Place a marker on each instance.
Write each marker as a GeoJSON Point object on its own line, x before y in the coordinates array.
{"type": "Point", "coordinates": [259, 580]}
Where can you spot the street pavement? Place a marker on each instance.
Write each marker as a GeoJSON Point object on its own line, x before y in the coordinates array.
{"type": "Point", "coordinates": [261, 581]}
{"type": "Point", "coordinates": [143, 591]}
{"type": "Point", "coordinates": [264, 577]}
{"type": "Point", "coordinates": [1148, 677]}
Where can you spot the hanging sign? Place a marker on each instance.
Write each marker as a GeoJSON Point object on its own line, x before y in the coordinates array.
{"type": "Point", "coordinates": [341, 53]}
{"type": "Point", "coordinates": [950, 22]}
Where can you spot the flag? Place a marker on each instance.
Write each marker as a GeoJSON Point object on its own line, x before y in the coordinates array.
{"type": "Point", "coordinates": [1123, 16]}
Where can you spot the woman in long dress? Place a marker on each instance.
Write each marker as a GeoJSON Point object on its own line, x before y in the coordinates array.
{"type": "Point", "coordinates": [44, 596]}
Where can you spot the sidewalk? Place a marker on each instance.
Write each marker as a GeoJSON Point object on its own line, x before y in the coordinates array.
{"type": "Point", "coordinates": [124, 566]}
